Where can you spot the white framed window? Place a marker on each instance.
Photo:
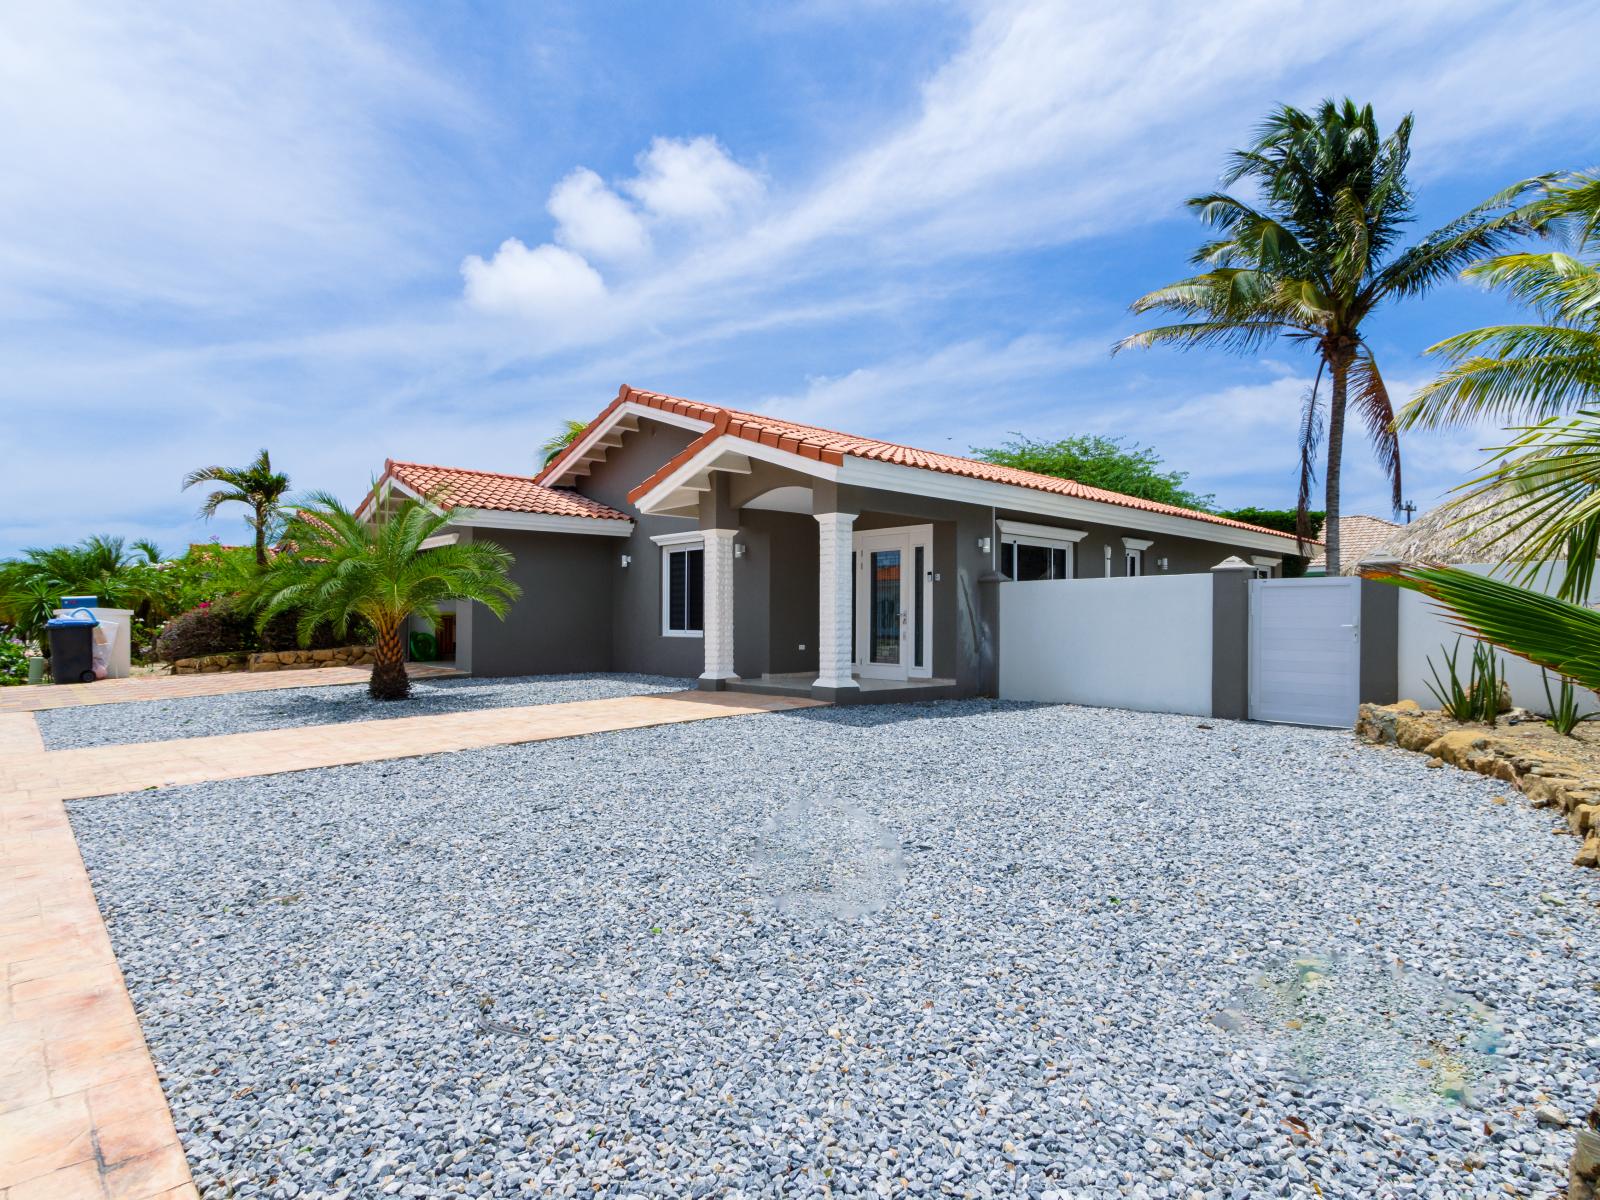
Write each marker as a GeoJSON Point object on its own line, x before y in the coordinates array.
{"type": "Point", "coordinates": [1265, 567]}
{"type": "Point", "coordinates": [1133, 555]}
{"type": "Point", "coordinates": [683, 561]}
{"type": "Point", "coordinates": [1029, 552]}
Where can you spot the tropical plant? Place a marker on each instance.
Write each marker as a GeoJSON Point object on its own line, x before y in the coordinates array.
{"type": "Point", "coordinates": [1548, 631]}
{"type": "Point", "coordinates": [1478, 698]}
{"type": "Point", "coordinates": [1529, 372]}
{"type": "Point", "coordinates": [257, 486]}
{"type": "Point", "coordinates": [31, 587]}
{"type": "Point", "coordinates": [569, 432]}
{"type": "Point", "coordinates": [1562, 708]}
{"type": "Point", "coordinates": [1311, 262]}
{"type": "Point", "coordinates": [342, 567]}
{"type": "Point", "coordinates": [13, 663]}
{"type": "Point", "coordinates": [1103, 462]}
{"type": "Point", "coordinates": [1543, 493]}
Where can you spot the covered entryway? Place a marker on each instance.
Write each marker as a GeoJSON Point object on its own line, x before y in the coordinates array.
{"type": "Point", "coordinates": [1305, 651]}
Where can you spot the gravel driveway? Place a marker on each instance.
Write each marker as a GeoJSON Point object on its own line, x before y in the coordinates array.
{"type": "Point", "coordinates": [245, 712]}
{"type": "Point", "coordinates": [956, 949]}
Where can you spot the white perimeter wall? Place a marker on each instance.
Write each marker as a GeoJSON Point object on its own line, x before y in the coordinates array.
{"type": "Point", "coordinates": [1142, 643]}
{"type": "Point", "coordinates": [1426, 630]}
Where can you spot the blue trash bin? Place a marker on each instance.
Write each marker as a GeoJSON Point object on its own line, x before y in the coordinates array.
{"type": "Point", "coordinates": [72, 646]}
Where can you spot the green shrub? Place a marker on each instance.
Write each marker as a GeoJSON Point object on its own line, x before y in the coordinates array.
{"type": "Point", "coordinates": [13, 663]}
{"type": "Point", "coordinates": [1563, 716]}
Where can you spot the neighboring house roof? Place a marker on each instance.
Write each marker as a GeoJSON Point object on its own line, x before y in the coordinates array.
{"type": "Point", "coordinates": [1360, 537]}
{"type": "Point", "coordinates": [830, 446]}
{"type": "Point", "coordinates": [490, 490]}
{"type": "Point", "coordinates": [1463, 531]}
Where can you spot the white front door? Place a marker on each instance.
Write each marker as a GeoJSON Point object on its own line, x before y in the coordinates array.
{"type": "Point", "coordinates": [893, 590]}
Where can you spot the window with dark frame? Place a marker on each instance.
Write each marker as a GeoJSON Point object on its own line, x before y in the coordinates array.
{"type": "Point", "coordinates": [685, 599]}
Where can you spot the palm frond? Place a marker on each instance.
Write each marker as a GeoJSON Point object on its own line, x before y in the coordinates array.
{"type": "Point", "coordinates": [1370, 397]}
{"type": "Point", "coordinates": [1312, 430]}
{"type": "Point", "coordinates": [1549, 632]}
{"type": "Point", "coordinates": [1504, 372]}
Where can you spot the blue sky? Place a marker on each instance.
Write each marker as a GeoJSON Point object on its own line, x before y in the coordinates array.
{"type": "Point", "coordinates": [432, 231]}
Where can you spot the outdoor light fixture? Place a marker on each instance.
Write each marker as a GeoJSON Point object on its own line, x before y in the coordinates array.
{"type": "Point", "coordinates": [984, 544]}
{"type": "Point", "coordinates": [738, 549]}
{"type": "Point", "coordinates": [1162, 563]}
{"type": "Point", "coordinates": [626, 559]}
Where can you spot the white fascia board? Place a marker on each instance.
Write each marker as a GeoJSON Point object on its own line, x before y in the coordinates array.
{"type": "Point", "coordinates": [488, 518]}
{"type": "Point", "coordinates": [705, 460]}
{"type": "Point", "coordinates": [629, 409]}
{"type": "Point", "coordinates": [1044, 533]}
{"type": "Point", "coordinates": [892, 477]}
{"type": "Point", "coordinates": [689, 537]}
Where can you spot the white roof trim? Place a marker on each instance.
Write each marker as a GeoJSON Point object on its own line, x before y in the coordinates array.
{"type": "Point", "coordinates": [679, 539]}
{"type": "Point", "coordinates": [1265, 560]}
{"type": "Point", "coordinates": [489, 518]}
{"type": "Point", "coordinates": [1046, 533]}
{"type": "Point", "coordinates": [439, 539]}
{"type": "Point", "coordinates": [1137, 543]}
{"type": "Point", "coordinates": [631, 408]}
{"type": "Point", "coordinates": [920, 481]}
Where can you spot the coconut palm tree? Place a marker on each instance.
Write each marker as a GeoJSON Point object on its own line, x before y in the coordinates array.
{"type": "Point", "coordinates": [256, 485]}
{"type": "Point", "coordinates": [569, 432]}
{"type": "Point", "coordinates": [338, 567]}
{"type": "Point", "coordinates": [1532, 371]}
{"type": "Point", "coordinates": [1311, 261]}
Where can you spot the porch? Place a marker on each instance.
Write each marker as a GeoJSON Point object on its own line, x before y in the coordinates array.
{"type": "Point", "coordinates": [867, 690]}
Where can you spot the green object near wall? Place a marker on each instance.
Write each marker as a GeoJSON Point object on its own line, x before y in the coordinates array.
{"type": "Point", "coordinates": [424, 647]}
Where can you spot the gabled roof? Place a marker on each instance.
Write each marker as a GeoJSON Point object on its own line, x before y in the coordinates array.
{"type": "Point", "coordinates": [830, 446]}
{"type": "Point", "coordinates": [1360, 537]}
{"type": "Point", "coordinates": [490, 490]}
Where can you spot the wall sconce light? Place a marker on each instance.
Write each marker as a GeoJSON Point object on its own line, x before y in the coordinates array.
{"type": "Point", "coordinates": [626, 559]}
{"type": "Point", "coordinates": [1162, 563]}
{"type": "Point", "coordinates": [984, 544]}
{"type": "Point", "coordinates": [739, 549]}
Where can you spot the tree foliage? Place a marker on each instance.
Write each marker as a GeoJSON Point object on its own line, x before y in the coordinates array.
{"type": "Point", "coordinates": [1102, 462]}
{"type": "Point", "coordinates": [1310, 261]}
{"type": "Point", "coordinates": [257, 486]}
{"type": "Point", "coordinates": [341, 568]}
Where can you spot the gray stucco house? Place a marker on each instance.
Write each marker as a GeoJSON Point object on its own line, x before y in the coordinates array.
{"type": "Point", "coordinates": [756, 553]}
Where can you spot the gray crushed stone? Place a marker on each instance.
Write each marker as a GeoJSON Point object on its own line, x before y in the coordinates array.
{"type": "Point", "coordinates": [248, 712]}
{"type": "Point", "coordinates": [960, 949]}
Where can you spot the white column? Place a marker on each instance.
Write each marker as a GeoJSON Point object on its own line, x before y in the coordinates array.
{"type": "Point", "coordinates": [834, 613]}
{"type": "Point", "coordinates": [719, 604]}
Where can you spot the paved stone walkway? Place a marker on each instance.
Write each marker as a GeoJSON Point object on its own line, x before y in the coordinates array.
{"type": "Point", "coordinates": [175, 687]}
{"type": "Point", "coordinates": [82, 1114]}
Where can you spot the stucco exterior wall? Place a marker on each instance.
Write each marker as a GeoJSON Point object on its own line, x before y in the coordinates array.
{"type": "Point", "coordinates": [562, 621]}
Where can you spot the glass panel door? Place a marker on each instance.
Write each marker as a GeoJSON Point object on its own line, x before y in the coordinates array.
{"type": "Point", "coordinates": [884, 612]}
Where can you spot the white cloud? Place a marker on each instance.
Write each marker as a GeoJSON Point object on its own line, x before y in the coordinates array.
{"type": "Point", "coordinates": [547, 283]}
{"type": "Point", "coordinates": [694, 180]}
{"type": "Point", "coordinates": [594, 220]}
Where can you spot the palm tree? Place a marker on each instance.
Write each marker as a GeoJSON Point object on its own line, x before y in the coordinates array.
{"type": "Point", "coordinates": [1529, 372]}
{"type": "Point", "coordinates": [256, 485]}
{"type": "Point", "coordinates": [341, 567]}
{"type": "Point", "coordinates": [570, 432]}
{"type": "Point", "coordinates": [1311, 262]}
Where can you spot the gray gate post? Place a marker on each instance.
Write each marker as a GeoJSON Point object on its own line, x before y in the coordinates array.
{"type": "Point", "coordinates": [1230, 639]}
{"type": "Point", "coordinates": [1380, 634]}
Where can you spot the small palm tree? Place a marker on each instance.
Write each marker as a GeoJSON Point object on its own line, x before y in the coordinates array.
{"type": "Point", "coordinates": [338, 567]}
{"type": "Point", "coordinates": [256, 485]}
{"type": "Point", "coordinates": [570, 432]}
{"type": "Point", "coordinates": [1537, 370]}
{"type": "Point", "coordinates": [1311, 263]}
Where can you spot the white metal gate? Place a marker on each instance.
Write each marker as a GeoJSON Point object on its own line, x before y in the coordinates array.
{"type": "Point", "coordinates": [1305, 651]}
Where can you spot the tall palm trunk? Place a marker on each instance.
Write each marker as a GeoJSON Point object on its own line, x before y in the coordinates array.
{"type": "Point", "coordinates": [261, 536]}
{"type": "Point", "coordinates": [389, 678]}
{"type": "Point", "coordinates": [1339, 361]}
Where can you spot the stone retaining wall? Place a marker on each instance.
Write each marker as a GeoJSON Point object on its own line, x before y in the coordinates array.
{"type": "Point", "coordinates": [275, 660]}
{"type": "Point", "coordinates": [1548, 779]}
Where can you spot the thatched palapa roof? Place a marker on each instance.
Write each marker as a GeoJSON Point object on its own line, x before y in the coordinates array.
{"type": "Point", "coordinates": [1459, 531]}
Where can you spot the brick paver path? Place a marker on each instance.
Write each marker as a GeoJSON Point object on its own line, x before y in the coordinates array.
{"type": "Point", "coordinates": [82, 1114]}
{"type": "Point", "coordinates": [176, 687]}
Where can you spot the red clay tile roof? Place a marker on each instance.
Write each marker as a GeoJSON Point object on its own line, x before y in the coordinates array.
{"type": "Point", "coordinates": [489, 490]}
{"type": "Point", "coordinates": [826, 445]}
